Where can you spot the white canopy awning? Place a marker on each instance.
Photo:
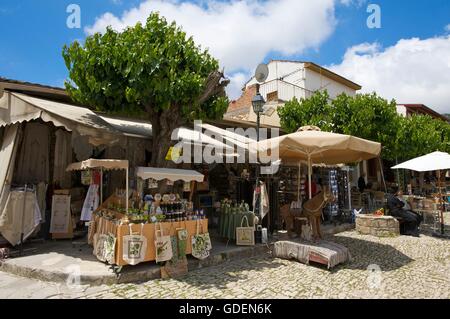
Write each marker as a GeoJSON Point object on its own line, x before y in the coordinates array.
{"type": "Point", "coordinates": [18, 108]}
{"type": "Point", "coordinates": [129, 127]}
{"type": "Point", "coordinates": [432, 162]}
{"type": "Point", "coordinates": [169, 173]}
{"type": "Point", "coordinates": [107, 164]}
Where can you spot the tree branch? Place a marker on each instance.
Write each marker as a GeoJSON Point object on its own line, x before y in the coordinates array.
{"type": "Point", "coordinates": [215, 84]}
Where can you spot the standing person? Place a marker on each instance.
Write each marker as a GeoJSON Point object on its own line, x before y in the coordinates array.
{"type": "Point", "coordinates": [397, 209]}
{"type": "Point", "coordinates": [362, 183]}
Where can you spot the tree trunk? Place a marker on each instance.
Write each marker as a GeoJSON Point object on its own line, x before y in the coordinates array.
{"type": "Point", "coordinates": [163, 124]}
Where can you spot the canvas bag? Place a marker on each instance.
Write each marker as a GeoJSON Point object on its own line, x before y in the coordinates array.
{"type": "Point", "coordinates": [99, 242]}
{"type": "Point", "coordinates": [110, 246]}
{"type": "Point", "coordinates": [245, 236]}
{"type": "Point", "coordinates": [201, 243]}
{"type": "Point", "coordinates": [134, 247]}
{"type": "Point", "coordinates": [178, 265]}
{"type": "Point", "coordinates": [163, 245]}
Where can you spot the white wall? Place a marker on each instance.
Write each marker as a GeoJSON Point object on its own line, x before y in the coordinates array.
{"type": "Point", "coordinates": [279, 69]}
{"type": "Point", "coordinates": [401, 109]}
{"type": "Point", "coordinates": [296, 74]}
{"type": "Point", "coordinates": [315, 81]}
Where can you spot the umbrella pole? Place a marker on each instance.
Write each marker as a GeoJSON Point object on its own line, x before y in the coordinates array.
{"type": "Point", "coordinates": [101, 185]}
{"type": "Point", "coordinates": [443, 204]}
{"type": "Point", "coordinates": [309, 176]}
{"type": "Point", "coordinates": [298, 181]}
{"type": "Point", "coordinates": [126, 192]}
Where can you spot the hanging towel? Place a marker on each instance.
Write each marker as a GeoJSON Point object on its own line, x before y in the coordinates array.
{"type": "Point", "coordinates": [91, 203]}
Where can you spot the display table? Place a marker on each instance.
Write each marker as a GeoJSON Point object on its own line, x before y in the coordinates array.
{"type": "Point", "coordinates": [229, 221]}
{"type": "Point", "coordinates": [149, 232]}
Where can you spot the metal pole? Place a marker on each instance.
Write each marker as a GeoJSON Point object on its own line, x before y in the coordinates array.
{"type": "Point", "coordinates": [298, 181]}
{"type": "Point", "coordinates": [126, 192]}
{"type": "Point", "coordinates": [257, 213]}
{"type": "Point", "coordinates": [348, 190]}
{"type": "Point", "coordinates": [101, 185]}
{"type": "Point", "coordinates": [309, 176]}
{"type": "Point", "coordinates": [443, 204]}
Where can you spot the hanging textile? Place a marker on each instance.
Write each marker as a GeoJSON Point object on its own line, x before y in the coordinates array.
{"type": "Point", "coordinates": [63, 157]}
{"type": "Point", "coordinates": [41, 195]}
{"type": "Point", "coordinates": [91, 203]}
{"type": "Point", "coordinates": [33, 162]}
{"type": "Point", "coordinates": [261, 200]}
{"type": "Point", "coordinates": [21, 215]}
{"type": "Point", "coordinates": [8, 152]}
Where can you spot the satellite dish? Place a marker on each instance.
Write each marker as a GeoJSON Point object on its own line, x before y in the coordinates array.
{"type": "Point", "coordinates": [261, 73]}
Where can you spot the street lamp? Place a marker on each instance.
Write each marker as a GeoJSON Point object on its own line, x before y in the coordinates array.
{"type": "Point", "coordinates": [258, 103]}
{"type": "Point", "coordinates": [258, 107]}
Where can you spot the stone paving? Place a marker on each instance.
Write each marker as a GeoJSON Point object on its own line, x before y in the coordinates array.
{"type": "Point", "coordinates": [401, 267]}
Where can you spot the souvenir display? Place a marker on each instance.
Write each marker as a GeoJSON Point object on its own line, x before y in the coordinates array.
{"type": "Point", "coordinates": [167, 223]}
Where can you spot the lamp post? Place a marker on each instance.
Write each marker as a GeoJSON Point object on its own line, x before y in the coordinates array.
{"type": "Point", "coordinates": [258, 107]}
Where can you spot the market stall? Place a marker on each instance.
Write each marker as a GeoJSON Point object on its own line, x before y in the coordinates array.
{"type": "Point", "coordinates": [101, 164]}
{"type": "Point", "coordinates": [439, 162]}
{"type": "Point", "coordinates": [127, 238]}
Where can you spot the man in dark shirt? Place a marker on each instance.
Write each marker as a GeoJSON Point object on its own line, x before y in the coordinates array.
{"type": "Point", "coordinates": [362, 183]}
{"type": "Point", "coordinates": [396, 209]}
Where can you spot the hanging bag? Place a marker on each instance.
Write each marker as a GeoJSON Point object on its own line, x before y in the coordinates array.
{"type": "Point", "coordinates": [178, 265]}
{"type": "Point", "coordinates": [245, 236]}
{"type": "Point", "coordinates": [134, 247]}
{"type": "Point", "coordinates": [201, 244]}
{"type": "Point", "coordinates": [100, 241]}
{"type": "Point", "coordinates": [110, 245]}
{"type": "Point", "coordinates": [163, 245]}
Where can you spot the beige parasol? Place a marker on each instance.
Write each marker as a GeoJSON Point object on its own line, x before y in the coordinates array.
{"type": "Point", "coordinates": [311, 145]}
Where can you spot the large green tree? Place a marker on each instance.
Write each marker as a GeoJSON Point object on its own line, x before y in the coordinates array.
{"type": "Point", "coordinates": [371, 117]}
{"type": "Point", "coordinates": [153, 71]}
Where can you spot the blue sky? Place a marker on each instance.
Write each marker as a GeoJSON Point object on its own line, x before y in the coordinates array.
{"type": "Point", "coordinates": [34, 33]}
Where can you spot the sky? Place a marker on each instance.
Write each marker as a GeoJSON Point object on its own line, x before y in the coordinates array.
{"type": "Point", "coordinates": [405, 57]}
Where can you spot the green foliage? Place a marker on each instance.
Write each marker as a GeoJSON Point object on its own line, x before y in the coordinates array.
{"type": "Point", "coordinates": [313, 111]}
{"type": "Point", "coordinates": [421, 134]}
{"type": "Point", "coordinates": [151, 67]}
{"type": "Point", "coordinates": [370, 117]}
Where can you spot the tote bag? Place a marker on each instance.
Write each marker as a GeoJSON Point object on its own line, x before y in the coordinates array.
{"type": "Point", "coordinates": [177, 266]}
{"type": "Point", "coordinates": [134, 247]}
{"type": "Point", "coordinates": [201, 243]}
{"type": "Point", "coordinates": [99, 241]}
{"type": "Point", "coordinates": [110, 245]}
{"type": "Point", "coordinates": [163, 245]}
{"type": "Point", "coordinates": [245, 236]}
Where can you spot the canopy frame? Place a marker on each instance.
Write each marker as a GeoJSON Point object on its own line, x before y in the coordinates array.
{"type": "Point", "coordinates": [103, 164]}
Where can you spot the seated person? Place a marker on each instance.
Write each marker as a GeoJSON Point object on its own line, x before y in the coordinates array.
{"type": "Point", "coordinates": [397, 208]}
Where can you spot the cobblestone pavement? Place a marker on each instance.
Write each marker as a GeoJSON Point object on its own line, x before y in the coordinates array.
{"type": "Point", "coordinates": [408, 268]}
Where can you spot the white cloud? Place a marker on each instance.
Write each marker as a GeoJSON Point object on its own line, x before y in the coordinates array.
{"type": "Point", "coordinates": [240, 33]}
{"type": "Point", "coordinates": [447, 28]}
{"type": "Point", "coordinates": [411, 71]}
{"type": "Point", "coordinates": [237, 80]}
